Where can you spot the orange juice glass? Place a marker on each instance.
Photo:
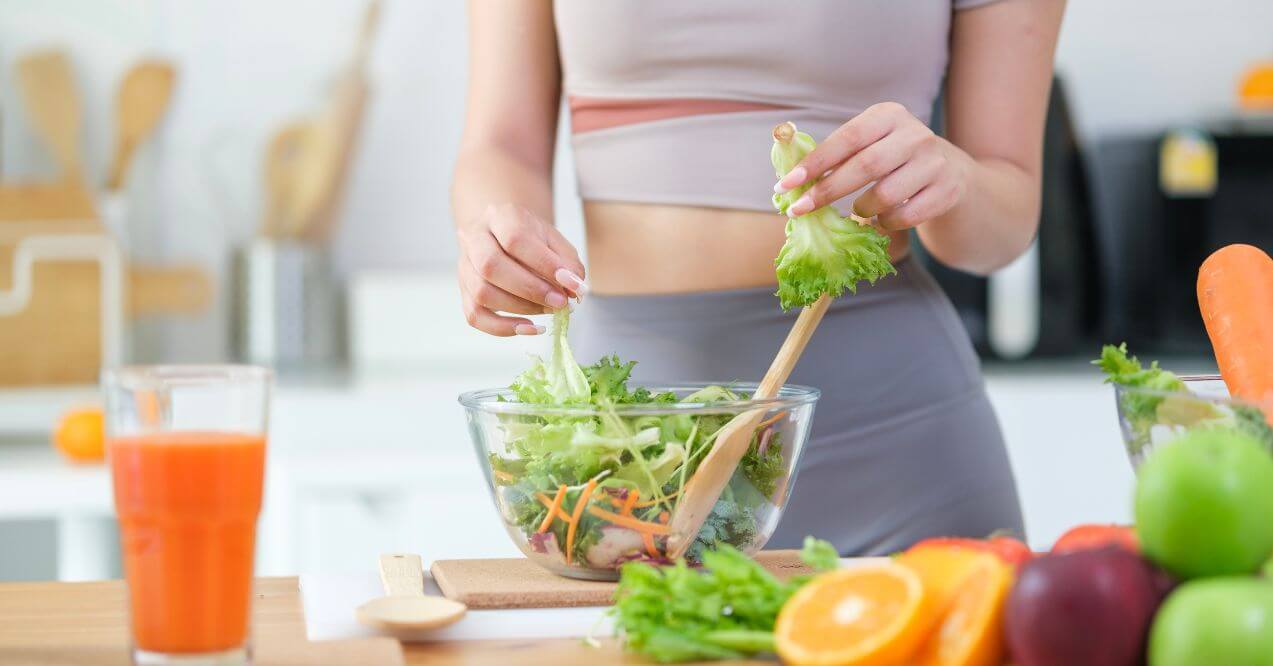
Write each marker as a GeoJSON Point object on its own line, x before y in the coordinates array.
{"type": "Point", "coordinates": [186, 446]}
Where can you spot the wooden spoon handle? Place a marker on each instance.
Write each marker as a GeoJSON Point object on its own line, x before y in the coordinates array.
{"type": "Point", "coordinates": [402, 575]}
{"type": "Point", "coordinates": [792, 348]}
{"type": "Point", "coordinates": [700, 493]}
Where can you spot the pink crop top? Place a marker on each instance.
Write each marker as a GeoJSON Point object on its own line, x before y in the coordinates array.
{"type": "Point", "coordinates": [674, 101]}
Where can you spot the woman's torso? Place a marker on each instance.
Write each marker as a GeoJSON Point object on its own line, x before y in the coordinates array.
{"type": "Point", "coordinates": [681, 203]}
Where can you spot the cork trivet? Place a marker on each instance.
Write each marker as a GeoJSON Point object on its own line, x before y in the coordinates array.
{"type": "Point", "coordinates": [520, 583]}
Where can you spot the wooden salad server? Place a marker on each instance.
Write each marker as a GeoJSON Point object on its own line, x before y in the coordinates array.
{"type": "Point", "coordinates": [704, 488]}
{"type": "Point", "coordinates": [405, 606]}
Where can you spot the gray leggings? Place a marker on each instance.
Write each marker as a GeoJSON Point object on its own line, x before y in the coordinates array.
{"type": "Point", "coordinates": [904, 443]}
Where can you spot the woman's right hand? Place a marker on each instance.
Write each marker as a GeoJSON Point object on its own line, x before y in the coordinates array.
{"type": "Point", "coordinates": [511, 261]}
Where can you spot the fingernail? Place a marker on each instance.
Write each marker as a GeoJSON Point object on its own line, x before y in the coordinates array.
{"type": "Point", "coordinates": [569, 280]}
{"type": "Point", "coordinates": [793, 179]}
{"type": "Point", "coordinates": [528, 329]}
{"type": "Point", "coordinates": [555, 300]}
{"type": "Point", "coordinates": [802, 205]}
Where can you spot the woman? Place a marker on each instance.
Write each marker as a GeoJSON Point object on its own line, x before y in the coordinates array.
{"type": "Point", "coordinates": [672, 105]}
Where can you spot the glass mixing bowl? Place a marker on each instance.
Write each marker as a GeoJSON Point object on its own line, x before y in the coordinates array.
{"type": "Point", "coordinates": [538, 459]}
{"type": "Point", "coordinates": [1148, 418]}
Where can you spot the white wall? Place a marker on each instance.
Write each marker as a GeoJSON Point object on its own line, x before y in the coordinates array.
{"type": "Point", "coordinates": [247, 65]}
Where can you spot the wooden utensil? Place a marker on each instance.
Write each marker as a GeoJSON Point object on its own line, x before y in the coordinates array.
{"type": "Point", "coordinates": [405, 605]}
{"type": "Point", "coordinates": [53, 107]}
{"type": "Point", "coordinates": [285, 150]}
{"type": "Point", "coordinates": [702, 490]}
{"type": "Point", "coordinates": [64, 311]}
{"type": "Point", "coordinates": [329, 147]}
{"type": "Point", "coordinates": [140, 104]}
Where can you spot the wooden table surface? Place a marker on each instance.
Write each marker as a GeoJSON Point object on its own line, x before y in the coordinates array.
{"type": "Point", "coordinates": [72, 624]}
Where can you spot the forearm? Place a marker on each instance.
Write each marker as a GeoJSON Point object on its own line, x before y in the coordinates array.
{"type": "Point", "coordinates": [488, 175]}
{"type": "Point", "coordinates": [994, 221]}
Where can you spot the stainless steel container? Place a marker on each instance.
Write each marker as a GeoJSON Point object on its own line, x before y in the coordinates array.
{"type": "Point", "coordinates": [289, 306]}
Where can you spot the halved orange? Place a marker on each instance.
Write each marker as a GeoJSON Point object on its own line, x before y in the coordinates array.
{"type": "Point", "coordinates": [861, 616]}
{"type": "Point", "coordinates": [971, 589]}
{"type": "Point", "coordinates": [943, 569]}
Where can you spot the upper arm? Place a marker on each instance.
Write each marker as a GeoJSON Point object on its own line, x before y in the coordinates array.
{"type": "Point", "coordinates": [998, 81]}
{"type": "Point", "coordinates": [514, 79]}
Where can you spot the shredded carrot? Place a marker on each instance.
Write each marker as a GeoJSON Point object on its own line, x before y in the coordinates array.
{"type": "Point", "coordinates": [648, 540]}
{"type": "Point", "coordinates": [543, 499]}
{"type": "Point", "coordinates": [627, 521]}
{"type": "Point", "coordinates": [630, 502]}
{"type": "Point", "coordinates": [553, 509]}
{"type": "Point", "coordinates": [771, 420]}
{"type": "Point", "coordinates": [663, 516]}
{"type": "Point", "coordinates": [574, 518]}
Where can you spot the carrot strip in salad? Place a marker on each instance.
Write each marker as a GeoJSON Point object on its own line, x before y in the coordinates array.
{"type": "Point", "coordinates": [648, 540]}
{"type": "Point", "coordinates": [543, 499]}
{"type": "Point", "coordinates": [502, 476]}
{"type": "Point", "coordinates": [771, 420]}
{"type": "Point", "coordinates": [627, 521]}
{"type": "Point", "coordinates": [663, 517]}
{"type": "Point", "coordinates": [574, 518]}
{"type": "Point", "coordinates": [630, 502]}
{"type": "Point", "coordinates": [553, 509]}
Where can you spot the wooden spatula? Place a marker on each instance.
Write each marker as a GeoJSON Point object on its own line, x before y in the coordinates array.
{"type": "Point", "coordinates": [702, 491]}
{"type": "Point", "coordinates": [53, 107]}
{"type": "Point", "coordinates": [405, 605]}
{"type": "Point", "coordinates": [142, 99]}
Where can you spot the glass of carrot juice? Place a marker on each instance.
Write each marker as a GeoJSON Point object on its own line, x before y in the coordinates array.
{"type": "Point", "coordinates": [186, 446]}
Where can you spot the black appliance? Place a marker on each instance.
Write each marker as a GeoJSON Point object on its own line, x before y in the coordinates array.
{"type": "Point", "coordinates": [1049, 303]}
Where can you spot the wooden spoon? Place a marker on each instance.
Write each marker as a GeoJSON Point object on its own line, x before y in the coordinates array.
{"type": "Point", "coordinates": [53, 107]}
{"type": "Point", "coordinates": [405, 605]}
{"type": "Point", "coordinates": [141, 102]}
{"type": "Point", "coordinates": [704, 488]}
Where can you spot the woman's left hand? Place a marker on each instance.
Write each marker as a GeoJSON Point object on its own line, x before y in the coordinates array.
{"type": "Point", "coordinates": [917, 175]}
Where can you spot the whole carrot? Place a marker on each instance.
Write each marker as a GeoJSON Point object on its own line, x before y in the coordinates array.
{"type": "Point", "coordinates": [1235, 295]}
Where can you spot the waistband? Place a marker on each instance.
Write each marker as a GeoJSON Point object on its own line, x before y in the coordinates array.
{"type": "Point", "coordinates": [756, 302]}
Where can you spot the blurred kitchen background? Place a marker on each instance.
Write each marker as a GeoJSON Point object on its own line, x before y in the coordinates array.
{"type": "Point", "coordinates": [216, 180]}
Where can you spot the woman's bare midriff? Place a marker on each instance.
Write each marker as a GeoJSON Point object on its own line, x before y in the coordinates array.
{"type": "Point", "coordinates": [657, 249]}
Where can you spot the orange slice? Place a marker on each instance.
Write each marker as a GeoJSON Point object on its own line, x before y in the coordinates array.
{"type": "Point", "coordinates": [970, 589]}
{"type": "Point", "coordinates": [862, 616]}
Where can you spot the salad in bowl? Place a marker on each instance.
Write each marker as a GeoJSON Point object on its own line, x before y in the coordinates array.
{"type": "Point", "coordinates": [1156, 405]}
{"type": "Point", "coordinates": [586, 469]}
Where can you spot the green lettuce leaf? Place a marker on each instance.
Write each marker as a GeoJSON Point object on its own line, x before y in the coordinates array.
{"type": "Point", "coordinates": [824, 252]}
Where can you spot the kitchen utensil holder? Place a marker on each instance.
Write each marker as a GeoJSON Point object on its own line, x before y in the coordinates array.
{"type": "Point", "coordinates": [288, 305]}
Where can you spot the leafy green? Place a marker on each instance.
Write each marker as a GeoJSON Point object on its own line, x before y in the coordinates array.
{"type": "Point", "coordinates": [824, 252]}
{"type": "Point", "coordinates": [726, 610]}
{"type": "Point", "coordinates": [764, 469]}
{"type": "Point", "coordinates": [1251, 420]}
{"type": "Point", "coordinates": [560, 381]}
{"type": "Point", "coordinates": [819, 554]}
{"type": "Point", "coordinates": [1125, 370]}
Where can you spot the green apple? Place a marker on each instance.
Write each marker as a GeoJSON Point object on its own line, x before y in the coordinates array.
{"type": "Point", "coordinates": [1215, 621]}
{"type": "Point", "coordinates": [1204, 504]}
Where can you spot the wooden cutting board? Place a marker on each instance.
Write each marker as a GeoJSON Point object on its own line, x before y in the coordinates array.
{"type": "Point", "coordinates": [520, 583]}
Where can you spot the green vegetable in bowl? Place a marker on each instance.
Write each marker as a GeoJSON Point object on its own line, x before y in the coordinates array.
{"type": "Point", "coordinates": [726, 610]}
{"type": "Point", "coordinates": [824, 252]}
{"type": "Point", "coordinates": [1161, 406]}
{"type": "Point", "coordinates": [596, 489]}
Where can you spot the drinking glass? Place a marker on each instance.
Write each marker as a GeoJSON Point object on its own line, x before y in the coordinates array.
{"type": "Point", "coordinates": [186, 446]}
